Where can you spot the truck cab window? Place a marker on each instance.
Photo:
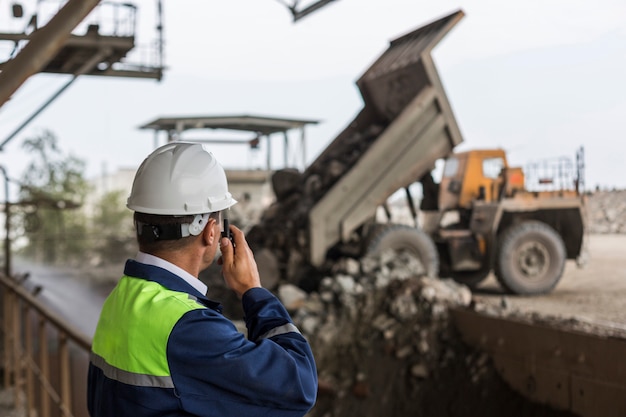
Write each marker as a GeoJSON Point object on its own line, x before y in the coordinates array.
{"type": "Point", "coordinates": [492, 167]}
{"type": "Point", "coordinates": [451, 168]}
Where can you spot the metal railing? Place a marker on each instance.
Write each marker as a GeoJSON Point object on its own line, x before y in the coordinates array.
{"type": "Point", "coordinates": [556, 174]}
{"type": "Point", "coordinates": [44, 359]}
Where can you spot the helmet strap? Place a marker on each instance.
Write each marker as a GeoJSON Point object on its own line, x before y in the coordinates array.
{"type": "Point", "coordinates": [172, 231]}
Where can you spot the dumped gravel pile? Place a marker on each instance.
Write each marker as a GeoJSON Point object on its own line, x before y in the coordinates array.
{"type": "Point", "coordinates": [385, 345]}
{"type": "Point", "coordinates": [607, 212]}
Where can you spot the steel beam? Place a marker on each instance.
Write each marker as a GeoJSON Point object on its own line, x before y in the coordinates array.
{"type": "Point", "coordinates": [42, 46]}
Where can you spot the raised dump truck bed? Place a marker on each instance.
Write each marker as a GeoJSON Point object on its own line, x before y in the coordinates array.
{"type": "Point", "coordinates": [405, 126]}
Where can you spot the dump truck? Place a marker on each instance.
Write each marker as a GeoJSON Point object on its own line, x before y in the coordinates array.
{"type": "Point", "coordinates": [522, 224]}
{"type": "Point", "coordinates": [405, 126]}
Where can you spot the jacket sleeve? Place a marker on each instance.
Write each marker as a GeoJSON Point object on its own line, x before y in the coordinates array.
{"type": "Point", "coordinates": [211, 361]}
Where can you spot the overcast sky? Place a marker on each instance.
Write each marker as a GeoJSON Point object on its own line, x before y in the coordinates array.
{"type": "Point", "coordinates": [539, 78]}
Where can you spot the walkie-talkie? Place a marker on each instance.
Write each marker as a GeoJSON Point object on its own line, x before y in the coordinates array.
{"type": "Point", "coordinates": [226, 231]}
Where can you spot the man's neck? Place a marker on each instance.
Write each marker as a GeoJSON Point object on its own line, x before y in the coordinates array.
{"type": "Point", "coordinates": [181, 260]}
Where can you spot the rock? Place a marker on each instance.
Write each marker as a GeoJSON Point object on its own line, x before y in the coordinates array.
{"type": "Point", "coordinates": [404, 352]}
{"type": "Point", "coordinates": [285, 181]}
{"type": "Point", "coordinates": [309, 324]}
{"type": "Point", "coordinates": [419, 370]}
{"type": "Point", "coordinates": [403, 307]}
{"type": "Point", "coordinates": [291, 296]}
{"type": "Point", "coordinates": [347, 284]}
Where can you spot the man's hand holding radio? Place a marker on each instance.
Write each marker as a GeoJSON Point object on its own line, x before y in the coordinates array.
{"type": "Point", "coordinates": [239, 268]}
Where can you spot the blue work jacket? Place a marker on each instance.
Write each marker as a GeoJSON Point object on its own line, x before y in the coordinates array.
{"type": "Point", "coordinates": [161, 348]}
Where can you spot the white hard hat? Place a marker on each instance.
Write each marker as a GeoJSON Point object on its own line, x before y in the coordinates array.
{"type": "Point", "coordinates": [180, 178]}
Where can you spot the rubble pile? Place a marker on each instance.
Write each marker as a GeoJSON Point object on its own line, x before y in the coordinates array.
{"type": "Point", "coordinates": [385, 345]}
{"type": "Point", "coordinates": [607, 212]}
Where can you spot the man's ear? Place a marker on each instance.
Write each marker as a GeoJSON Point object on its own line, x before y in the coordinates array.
{"type": "Point", "coordinates": [209, 234]}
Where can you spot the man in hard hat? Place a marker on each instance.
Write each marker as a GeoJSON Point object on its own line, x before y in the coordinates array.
{"type": "Point", "coordinates": [161, 347]}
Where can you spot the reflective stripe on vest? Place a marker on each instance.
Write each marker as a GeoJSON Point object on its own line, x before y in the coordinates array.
{"type": "Point", "coordinates": [130, 343]}
{"type": "Point", "coordinates": [130, 378]}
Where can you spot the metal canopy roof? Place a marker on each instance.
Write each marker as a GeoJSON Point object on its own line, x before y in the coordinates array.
{"type": "Point", "coordinates": [258, 124]}
{"type": "Point", "coordinates": [261, 126]}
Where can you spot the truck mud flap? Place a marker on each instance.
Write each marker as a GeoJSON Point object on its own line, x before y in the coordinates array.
{"type": "Point", "coordinates": [584, 373]}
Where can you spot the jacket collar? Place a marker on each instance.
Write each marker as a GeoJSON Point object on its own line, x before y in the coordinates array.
{"type": "Point", "coordinates": [168, 280]}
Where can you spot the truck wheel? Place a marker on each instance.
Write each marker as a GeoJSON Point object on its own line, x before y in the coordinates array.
{"type": "Point", "coordinates": [531, 258]}
{"type": "Point", "coordinates": [400, 237]}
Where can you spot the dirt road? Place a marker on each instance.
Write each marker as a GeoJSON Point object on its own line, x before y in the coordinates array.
{"type": "Point", "coordinates": [595, 293]}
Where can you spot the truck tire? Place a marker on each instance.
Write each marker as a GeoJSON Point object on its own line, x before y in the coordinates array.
{"type": "Point", "coordinates": [400, 237]}
{"type": "Point", "coordinates": [530, 259]}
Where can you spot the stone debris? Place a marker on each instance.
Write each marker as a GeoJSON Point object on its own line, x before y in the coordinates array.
{"type": "Point", "coordinates": [291, 296]}
{"type": "Point", "coordinates": [607, 212]}
{"type": "Point", "coordinates": [385, 345]}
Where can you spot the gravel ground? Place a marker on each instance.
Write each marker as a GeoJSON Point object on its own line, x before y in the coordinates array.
{"type": "Point", "coordinates": [593, 294]}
